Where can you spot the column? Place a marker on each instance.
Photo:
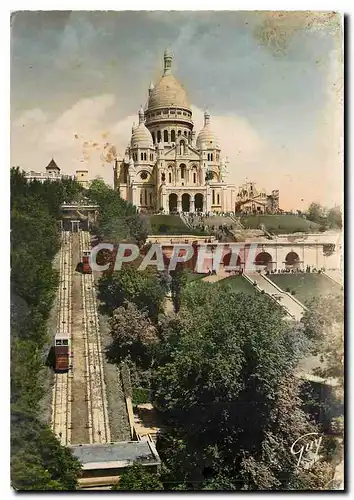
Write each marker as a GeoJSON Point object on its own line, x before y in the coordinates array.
{"type": "Point", "coordinates": [191, 204]}
{"type": "Point", "coordinates": [179, 204]}
{"type": "Point", "coordinates": [207, 201]}
{"type": "Point", "coordinates": [135, 199]}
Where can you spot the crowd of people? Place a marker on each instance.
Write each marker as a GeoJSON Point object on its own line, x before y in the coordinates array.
{"type": "Point", "coordinates": [295, 270]}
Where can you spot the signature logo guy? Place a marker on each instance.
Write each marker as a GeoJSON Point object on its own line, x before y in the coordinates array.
{"type": "Point", "coordinates": [307, 444]}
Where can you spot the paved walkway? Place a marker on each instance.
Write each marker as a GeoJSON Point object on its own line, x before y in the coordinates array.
{"type": "Point", "coordinates": [212, 278]}
{"type": "Point", "coordinates": [291, 306]}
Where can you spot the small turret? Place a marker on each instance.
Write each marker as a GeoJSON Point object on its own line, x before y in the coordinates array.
{"type": "Point", "coordinates": [151, 88]}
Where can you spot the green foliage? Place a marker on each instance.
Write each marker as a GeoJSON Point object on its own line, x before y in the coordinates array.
{"type": "Point", "coordinates": [118, 220]}
{"type": "Point", "coordinates": [279, 224]}
{"type": "Point", "coordinates": [327, 218]}
{"type": "Point", "coordinates": [133, 334]}
{"type": "Point", "coordinates": [170, 224]}
{"type": "Point", "coordinates": [324, 325]}
{"type": "Point", "coordinates": [137, 478]}
{"type": "Point", "coordinates": [334, 218]}
{"type": "Point", "coordinates": [179, 280]}
{"type": "Point", "coordinates": [141, 395]}
{"type": "Point", "coordinates": [225, 383]}
{"type": "Point", "coordinates": [307, 285]}
{"type": "Point", "coordinates": [38, 461]}
{"type": "Point", "coordinates": [143, 288]}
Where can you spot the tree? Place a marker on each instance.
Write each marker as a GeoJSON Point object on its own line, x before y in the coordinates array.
{"type": "Point", "coordinates": [178, 281]}
{"type": "Point", "coordinates": [226, 384]}
{"type": "Point", "coordinates": [143, 288]}
{"type": "Point", "coordinates": [334, 217]}
{"type": "Point", "coordinates": [137, 478]}
{"type": "Point", "coordinates": [316, 213]}
{"type": "Point", "coordinates": [38, 461]}
{"type": "Point", "coordinates": [118, 220]}
{"type": "Point", "coordinates": [133, 334]}
{"type": "Point", "coordinates": [324, 325]}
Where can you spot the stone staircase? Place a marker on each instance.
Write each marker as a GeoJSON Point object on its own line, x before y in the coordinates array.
{"type": "Point", "coordinates": [186, 220]}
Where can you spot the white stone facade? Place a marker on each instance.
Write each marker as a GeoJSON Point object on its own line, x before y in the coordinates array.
{"type": "Point", "coordinates": [164, 167]}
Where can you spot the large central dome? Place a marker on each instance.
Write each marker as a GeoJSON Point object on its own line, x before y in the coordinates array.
{"type": "Point", "coordinates": [168, 92]}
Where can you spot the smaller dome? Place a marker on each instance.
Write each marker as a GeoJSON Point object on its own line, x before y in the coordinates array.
{"type": "Point", "coordinates": [141, 136]}
{"type": "Point", "coordinates": [206, 138]}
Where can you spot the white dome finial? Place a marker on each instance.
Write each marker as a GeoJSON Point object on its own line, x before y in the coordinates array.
{"type": "Point", "coordinates": [167, 57]}
{"type": "Point", "coordinates": [141, 115]}
{"type": "Point", "coordinates": [206, 117]}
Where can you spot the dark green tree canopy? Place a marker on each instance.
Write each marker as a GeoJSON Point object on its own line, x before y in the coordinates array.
{"type": "Point", "coordinates": [225, 383]}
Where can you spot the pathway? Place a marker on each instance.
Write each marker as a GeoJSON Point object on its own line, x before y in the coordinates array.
{"type": "Point", "coordinates": [292, 306]}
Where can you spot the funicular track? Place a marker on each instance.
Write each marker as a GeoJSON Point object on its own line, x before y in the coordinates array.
{"type": "Point", "coordinates": [61, 400]}
{"type": "Point", "coordinates": [98, 423]}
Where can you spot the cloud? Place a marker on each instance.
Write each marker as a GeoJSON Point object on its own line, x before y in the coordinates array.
{"type": "Point", "coordinates": [83, 136]}
{"type": "Point", "coordinates": [76, 138]}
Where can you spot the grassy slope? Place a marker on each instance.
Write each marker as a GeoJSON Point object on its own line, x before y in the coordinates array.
{"type": "Point", "coordinates": [306, 286]}
{"type": "Point", "coordinates": [238, 284]}
{"type": "Point", "coordinates": [170, 224]}
{"type": "Point", "coordinates": [279, 224]}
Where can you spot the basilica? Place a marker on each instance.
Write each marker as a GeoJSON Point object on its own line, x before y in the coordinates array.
{"type": "Point", "coordinates": [167, 167]}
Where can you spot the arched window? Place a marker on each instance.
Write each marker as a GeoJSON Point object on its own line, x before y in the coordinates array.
{"type": "Point", "coordinates": [218, 198]}
{"type": "Point", "coordinates": [179, 133]}
{"type": "Point", "coordinates": [163, 177]}
{"type": "Point", "coordinates": [158, 135]}
{"type": "Point", "coordinates": [142, 156]}
{"type": "Point", "coordinates": [165, 136]}
{"type": "Point", "coordinates": [170, 177]}
{"type": "Point", "coordinates": [194, 177]}
{"type": "Point", "coordinates": [150, 198]}
{"type": "Point", "coordinates": [141, 197]}
{"type": "Point", "coordinates": [213, 195]}
{"type": "Point", "coordinates": [173, 136]}
{"type": "Point", "coordinates": [211, 157]}
{"type": "Point", "coordinates": [183, 171]}
{"type": "Point", "coordinates": [208, 156]}
{"type": "Point", "coordinates": [153, 137]}
{"type": "Point", "coordinates": [146, 198]}
{"type": "Point", "coordinates": [185, 133]}
{"type": "Point", "coordinates": [145, 156]}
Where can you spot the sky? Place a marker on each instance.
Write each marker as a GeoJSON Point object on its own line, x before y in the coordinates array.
{"type": "Point", "coordinates": [272, 82]}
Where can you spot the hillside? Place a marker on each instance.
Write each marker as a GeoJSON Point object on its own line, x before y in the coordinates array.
{"type": "Point", "coordinates": [279, 224]}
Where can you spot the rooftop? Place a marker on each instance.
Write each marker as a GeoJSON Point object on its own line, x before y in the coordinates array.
{"type": "Point", "coordinates": [115, 455]}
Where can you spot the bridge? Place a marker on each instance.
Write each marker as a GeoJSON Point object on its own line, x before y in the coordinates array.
{"type": "Point", "coordinates": [76, 216]}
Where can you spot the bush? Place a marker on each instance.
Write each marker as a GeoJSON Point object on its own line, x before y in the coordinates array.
{"type": "Point", "coordinates": [288, 290]}
{"type": "Point", "coordinates": [125, 374]}
{"type": "Point", "coordinates": [163, 228]}
{"type": "Point", "coordinates": [293, 292]}
{"type": "Point", "coordinates": [141, 395]}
